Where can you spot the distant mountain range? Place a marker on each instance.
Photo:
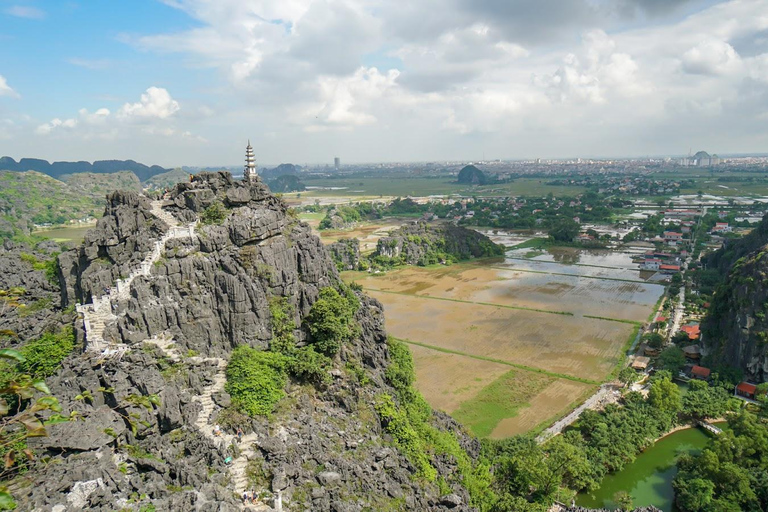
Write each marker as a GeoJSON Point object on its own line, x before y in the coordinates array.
{"type": "Point", "coordinates": [58, 169]}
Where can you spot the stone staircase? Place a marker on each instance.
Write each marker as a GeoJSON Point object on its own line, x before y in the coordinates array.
{"type": "Point", "coordinates": [99, 313]}
{"type": "Point", "coordinates": [239, 465]}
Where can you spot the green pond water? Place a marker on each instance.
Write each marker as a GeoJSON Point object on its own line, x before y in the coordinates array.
{"type": "Point", "coordinates": [649, 478]}
{"type": "Point", "coordinates": [65, 234]}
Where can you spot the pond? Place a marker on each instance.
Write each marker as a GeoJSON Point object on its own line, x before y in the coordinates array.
{"type": "Point", "coordinates": [649, 478]}
{"type": "Point", "coordinates": [75, 234]}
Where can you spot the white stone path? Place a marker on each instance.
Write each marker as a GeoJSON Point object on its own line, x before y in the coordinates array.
{"type": "Point", "coordinates": [97, 314]}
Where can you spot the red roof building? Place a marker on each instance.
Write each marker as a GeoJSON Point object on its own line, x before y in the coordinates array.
{"type": "Point", "coordinates": [699, 372]}
{"type": "Point", "coordinates": [746, 390]}
{"type": "Point", "coordinates": [693, 331]}
{"type": "Point", "coordinates": [660, 319]}
{"type": "Point", "coordinates": [669, 268]}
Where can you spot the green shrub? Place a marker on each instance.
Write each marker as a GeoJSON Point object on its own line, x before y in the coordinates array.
{"type": "Point", "coordinates": [310, 366]}
{"type": "Point", "coordinates": [399, 373]}
{"type": "Point", "coordinates": [214, 214]}
{"type": "Point", "coordinates": [44, 355]}
{"type": "Point", "coordinates": [283, 325]}
{"type": "Point", "coordinates": [256, 380]}
{"type": "Point", "coordinates": [330, 319]}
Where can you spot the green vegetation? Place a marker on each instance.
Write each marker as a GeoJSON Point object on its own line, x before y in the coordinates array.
{"type": "Point", "coordinates": [22, 398]}
{"type": "Point", "coordinates": [730, 474]}
{"type": "Point", "coordinates": [43, 356]}
{"type": "Point", "coordinates": [529, 477]}
{"type": "Point", "coordinates": [408, 421]}
{"type": "Point", "coordinates": [214, 214]}
{"type": "Point", "coordinates": [499, 400]}
{"type": "Point", "coordinates": [329, 321]}
{"type": "Point", "coordinates": [471, 175]}
{"type": "Point", "coordinates": [256, 380]}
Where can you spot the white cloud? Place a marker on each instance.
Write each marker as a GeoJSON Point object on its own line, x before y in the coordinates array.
{"type": "Point", "coordinates": [6, 90]}
{"type": "Point", "coordinates": [25, 11]}
{"type": "Point", "coordinates": [153, 115]}
{"type": "Point", "coordinates": [155, 103]}
{"type": "Point", "coordinates": [711, 57]}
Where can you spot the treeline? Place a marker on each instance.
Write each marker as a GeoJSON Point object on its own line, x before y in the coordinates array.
{"type": "Point", "coordinates": [528, 477]}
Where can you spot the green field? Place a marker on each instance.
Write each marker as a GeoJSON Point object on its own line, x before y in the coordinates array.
{"type": "Point", "coordinates": [410, 186]}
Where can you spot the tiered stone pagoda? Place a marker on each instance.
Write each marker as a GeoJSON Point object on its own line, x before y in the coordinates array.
{"type": "Point", "coordinates": [250, 164]}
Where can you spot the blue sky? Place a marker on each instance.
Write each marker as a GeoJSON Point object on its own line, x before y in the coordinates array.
{"type": "Point", "coordinates": [188, 81]}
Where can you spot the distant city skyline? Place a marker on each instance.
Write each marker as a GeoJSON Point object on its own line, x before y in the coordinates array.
{"type": "Point", "coordinates": [188, 82]}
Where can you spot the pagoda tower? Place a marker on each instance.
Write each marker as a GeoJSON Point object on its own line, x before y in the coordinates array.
{"type": "Point", "coordinates": [250, 164]}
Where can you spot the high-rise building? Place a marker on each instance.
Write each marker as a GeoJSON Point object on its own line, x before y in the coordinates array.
{"type": "Point", "coordinates": [250, 164]}
{"type": "Point", "coordinates": [337, 163]}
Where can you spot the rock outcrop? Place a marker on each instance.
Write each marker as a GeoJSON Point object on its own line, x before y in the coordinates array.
{"type": "Point", "coordinates": [145, 432]}
{"type": "Point", "coordinates": [735, 330]}
{"type": "Point", "coordinates": [346, 253]}
{"type": "Point", "coordinates": [420, 243]}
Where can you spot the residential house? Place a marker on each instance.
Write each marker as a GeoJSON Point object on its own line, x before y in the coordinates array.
{"type": "Point", "coordinates": [746, 390]}
{"type": "Point", "coordinates": [699, 372]}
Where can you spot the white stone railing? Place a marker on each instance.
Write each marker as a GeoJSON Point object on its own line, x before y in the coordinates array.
{"type": "Point", "coordinates": [101, 306]}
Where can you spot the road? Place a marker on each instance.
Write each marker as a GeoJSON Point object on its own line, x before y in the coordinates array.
{"type": "Point", "coordinates": [607, 394]}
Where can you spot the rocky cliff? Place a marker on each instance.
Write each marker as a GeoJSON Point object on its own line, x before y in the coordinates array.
{"type": "Point", "coordinates": [420, 243]}
{"type": "Point", "coordinates": [166, 292]}
{"type": "Point", "coordinates": [735, 330]}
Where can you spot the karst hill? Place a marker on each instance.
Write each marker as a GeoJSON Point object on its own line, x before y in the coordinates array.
{"type": "Point", "coordinates": [217, 352]}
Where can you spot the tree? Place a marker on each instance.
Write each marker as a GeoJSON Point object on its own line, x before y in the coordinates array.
{"type": "Point", "coordinates": [654, 340]}
{"type": "Point", "coordinates": [693, 495]}
{"type": "Point", "coordinates": [627, 376]}
{"type": "Point", "coordinates": [705, 401]}
{"type": "Point", "coordinates": [664, 395]}
{"type": "Point", "coordinates": [564, 230]}
{"type": "Point", "coordinates": [681, 338]}
{"type": "Point", "coordinates": [672, 359]}
{"type": "Point", "coordinates": [330, 319]}
{"type": "Point", "coordinates": [623, 499]}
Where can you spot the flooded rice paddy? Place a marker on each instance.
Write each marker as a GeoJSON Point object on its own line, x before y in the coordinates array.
{"type": "Point", "coordinates": [510, 344]}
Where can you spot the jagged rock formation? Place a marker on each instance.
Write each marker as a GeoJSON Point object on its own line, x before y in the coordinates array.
{"type": "Point", "coordinates": [735, 329]}
{"type": "Point", "coordinates": [345, 253]}
{"type": "Point", "coordinates": [146, 429]}
{"type": "Point", "coordinates": [29, 299]}
{"type": "Point", "coordinates": [420, 243]}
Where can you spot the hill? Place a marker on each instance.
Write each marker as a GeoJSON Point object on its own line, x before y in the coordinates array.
{"type": "Point", "coordinates": [280, 170]}
{"type": "Point", "coordinates": [167, 179]}
{"type": "Point", "coordinates": [58, 169]}
{"type": "Point", "coordinates": [286, 183]}
{"type": "Point", "coordinates": [29, 198]}
{"type": "Point", "coordinates": [471, 175]}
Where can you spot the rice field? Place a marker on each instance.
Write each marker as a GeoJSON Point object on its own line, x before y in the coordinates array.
{"type": "Point", "coordinates": [507, 346]}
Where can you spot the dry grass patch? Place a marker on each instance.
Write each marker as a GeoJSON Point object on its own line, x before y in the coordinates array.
{"type": "Point", "coordinates": [549, 404]}
{"type": "Point", "coordinates": [580, 347]}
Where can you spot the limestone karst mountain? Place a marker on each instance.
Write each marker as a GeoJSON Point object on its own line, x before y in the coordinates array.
{"type": "Point", "coordinates": [168, 293]}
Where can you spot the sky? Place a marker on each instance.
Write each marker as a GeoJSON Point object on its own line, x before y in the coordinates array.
{"type": "Point", "coordinates": [189, 82]}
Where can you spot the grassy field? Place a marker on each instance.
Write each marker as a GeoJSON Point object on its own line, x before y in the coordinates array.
{"type": "Point", "coordinates": [505, 351]}
{"type": "Point", "coordinates": [415, 186]}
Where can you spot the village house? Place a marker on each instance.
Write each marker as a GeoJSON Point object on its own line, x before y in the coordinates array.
{"type": "Point", "coordinates": [669, 269]}
{"type": "Point", "coordinates": [746, 390]}
{"type": "Point", "coordinates": [693, 331]}
{"type": "Point", "coordinates": [721, 227]}
{"type": "Point", "coordinates": [640, 363]}
{"type": "Point", "coordinates": [651, 264]}
{"type": "Point", "coordinates": [692, 352]}
{"type": "Point", "coordinates": [700, 373]}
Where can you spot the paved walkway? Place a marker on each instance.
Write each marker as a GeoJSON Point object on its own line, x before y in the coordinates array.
{"type": "Point", "coordinates": [607, 394]}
